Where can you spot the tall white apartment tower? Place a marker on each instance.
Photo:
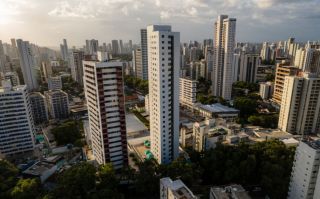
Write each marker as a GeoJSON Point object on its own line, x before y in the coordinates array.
{"type": "Point", "coordinates": [103, 83]}
{"type": "Point", "coordinates": [300, 105]}
{"type": "Point", "coordinates": [16, 121]}
{"type": "Point", "coordinates": [224, 42]}
{"type": "Point", "coordinates": [27, 64]}
{"type": "Point", "coordinates": [164, 65]}
{"type": "Point", "coordinates": [305, 180]}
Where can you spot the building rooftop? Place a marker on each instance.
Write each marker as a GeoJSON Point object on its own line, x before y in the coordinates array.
{"type": "Point", "coordinates": [178, 188]}
{"type": "Point", "coordinates": [14, 88]}
{"type": "Point", "coordinates": [230, 192]}
{"type": "Point", "coordinates": [315, 144]}
{"type": "Point", "coordinates": [133, 124]}
{"type": "Point", "coordinates": [218, 108]}
{"type": "Point", "coordinates": [38, 168]}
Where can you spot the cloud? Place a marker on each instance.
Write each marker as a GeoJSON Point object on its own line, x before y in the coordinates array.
{"type": "Point", "coordinates": [194, 18]}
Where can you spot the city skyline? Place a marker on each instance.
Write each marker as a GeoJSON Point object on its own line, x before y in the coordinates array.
{"type": "Point", "coordinates": [268, 20]}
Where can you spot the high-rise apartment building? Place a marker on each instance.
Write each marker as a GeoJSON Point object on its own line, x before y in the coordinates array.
{"type": "Point", "coordinates": [54, 83]}
{"type": "Point", "coordinates": [45, 71]}
{"type": "Point", "coordinates": [312, 58]}
{"type": "Point", "coordinates": [12, 76]}
{"type": "Point", "coordinates": [164, 65]}
{"type": "Point", "coordinates": [103, 82]}
{"type": "Point", "coordinates": [64, 50]}
{"type": "Point", "coordinates": [266, 90]}
{"type": "Point", "coordinates": [16, 122]}
{"type": "Point", "coordinates": [58, 104]}
{"type": "Point", "coordinates": [283, 69]}
{"type": "Point", "coordinates": [39, 107]}
{"type": "Point", "coordinates": [92, 46]}
{"type": "Point", "coordinates": [76, 66]}
{"type": "Point", "coordinates": [188, 92]}
{"type": "Point", "coordinates": [305, 175]}
{"type": "Point", "coordinates": [245, 67]}
{"type": "Point", "coordinates": [27, 63]}
{"type": "Point", "coordinates": [300, 105]}
{"type": "Point", "coordinates": [144, 53]}
{"type": "Point", "coordinates": [121, 49]}
{"type": "Point", "coordinates": [2, 58]}
{"type": "Point", "coordinates": [224, 42]}
{"type": "Point", "coordinates": [137, 53]}
{"type": "Point", "coordinates": [115, 47]}
{"type": "Point", "coordinates": [265, 52]}
{"type": "Point", "coordinates": [208, 56]}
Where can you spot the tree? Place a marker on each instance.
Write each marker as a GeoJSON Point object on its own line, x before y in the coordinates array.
{"type": "Point", "coordinates": [247, 106]}
{"type": "Point", "coordinates": [67, 133]}
{"type": "Point", "coordinates": [8, 174]}
{"type": "Point", "coordinates": [26, 188]}
{"type": "Point", "coordinates": [77, 182]}
{"type": "Point", "coordinates": [108, 182]}
{"type": "Point", "coordinates": [267, 121]}
{"type": "Point", "coordinates": [147, 180]}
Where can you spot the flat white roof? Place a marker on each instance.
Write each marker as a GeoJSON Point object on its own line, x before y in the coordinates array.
{"type": "Point", "coordinates": [217, 108]}
{"type": "Point", "coordinates": [133, 124]}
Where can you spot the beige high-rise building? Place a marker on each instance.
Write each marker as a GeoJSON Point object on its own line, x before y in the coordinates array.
{"type": "Point", "coordinates": [300, 105]}
{"type": "Point", "coordinates": [283, 69]}
{"type": "Point", "coordinates": [188, 92]}
{"type": "Point", "coordinates": [224, 43]}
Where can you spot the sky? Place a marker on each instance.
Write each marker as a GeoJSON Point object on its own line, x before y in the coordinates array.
{"type": "Point", "coordinates": [47, 22]}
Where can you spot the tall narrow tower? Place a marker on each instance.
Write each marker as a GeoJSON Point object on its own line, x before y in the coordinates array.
{"type": "Point", "coordinates": [27, 64]}
{"type": "Point", "coordinates": [144, 53]}
{"type": "Point", "coordinates": [224, 42]}
{"type": "Point", "coordinates": [164, 64]}
{"type": "Point", "coordinates": [103, 82]}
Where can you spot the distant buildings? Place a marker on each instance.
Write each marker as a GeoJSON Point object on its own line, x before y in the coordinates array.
{"type": "Point", "coordinates": [224, 43]}
{"type": "Point", "coordinates": [245, 67]}
{"type": "Point", "coordinates": [76, 59]}
{"type": "Point", "coordinates": [64, 50]}
{"type": "Point", "coordinates": [164, 64]}
{"type": "Point", "coordinates": [39, 107]}
{"type": "Point", "coordinates": [58, 104]}
{"type": "Point", "coordinates": [266, 90]}
{"type": "Point", "coordinates": [103, 82]}
{"type": "Point", "coordinates": [16, 122]}
{"type": "Point", "coordinates": [28, 65]}
{"type": "Point", "coordinates": [144, 53]}
{"type": "Point", "coordinates": [300, 105]}
{"type": "Point", "coordinates": [54, 83]}
{"type": "Point", "coordinates": [305, 179]}
{"type": "Point", "coordinates": [188, 92]}
{"type": "Point", "coordinates": [115, 47]}
{"type": "Point", "coordinates": [12, 77]}
{"type": "Point", "coordinates": [92, 46]}
{"type": "Point", "coordinates": [174, 189]}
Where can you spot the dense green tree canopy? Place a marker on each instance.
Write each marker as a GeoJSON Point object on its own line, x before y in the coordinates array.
{"type": "Point", "coordinates": [26, 188]}
{"type": "Point", "coordinates": [8, 174]}
{"type": "Point", "coordinates": [68, 132]}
